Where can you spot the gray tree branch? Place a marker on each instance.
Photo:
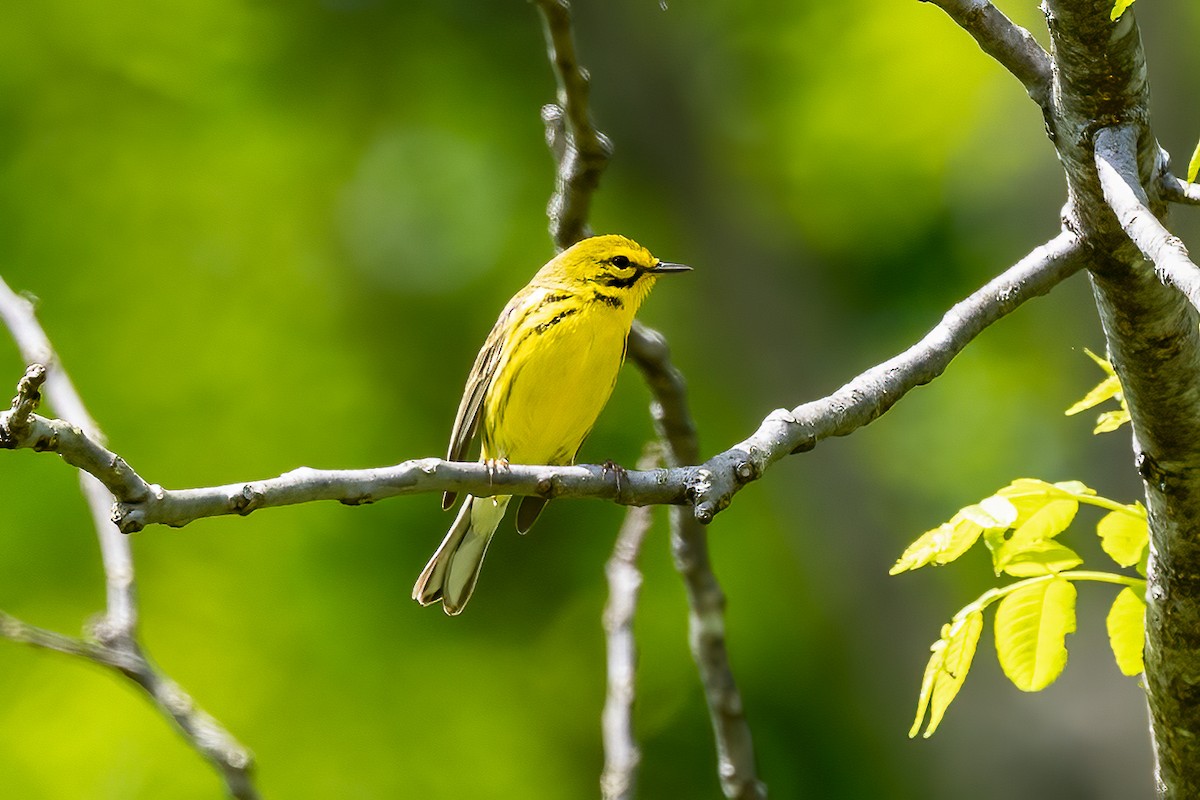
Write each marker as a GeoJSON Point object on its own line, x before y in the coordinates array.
{"type": "Point", "coordinates": [1102, 119]}
{"type": "Point", "coordinates": [1008, 43]}
{"type": "Point", "coordinates": [117, 644]}
{"type": "Point", "coordinates": [1177, 190]}
{"type": "Point", "coordinates": [706, 601]}
{"type": "Point", "coordinates": [708, 487]}
{"type": "Point", "coordinates": [618, 781]}
{"type": "Point", "coordinates": [1117, 169]}
{"type": "Point", "coordinates": [581, 152]}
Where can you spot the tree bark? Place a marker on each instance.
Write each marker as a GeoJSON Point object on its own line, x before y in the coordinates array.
{"type": "Point", "coordinates": [1101, 91]}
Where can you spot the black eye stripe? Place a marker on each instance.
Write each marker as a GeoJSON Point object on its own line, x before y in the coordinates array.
{"type": "Point", "coordinates": [621, 283]}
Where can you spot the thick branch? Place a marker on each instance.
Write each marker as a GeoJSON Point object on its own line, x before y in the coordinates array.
{"type": "Point", "coordinates": [1008, 43]}
{"type": "Point", "coordinates": [1110, 155]}
{"type": "Point", "coordinates": [1117, 168]}
{"type": "Point", "coordinates": [871, 394]}
{"type": "Point", "coordinates": [708, 487]}
{"type": "Point", "coordinates": [1154, 345]}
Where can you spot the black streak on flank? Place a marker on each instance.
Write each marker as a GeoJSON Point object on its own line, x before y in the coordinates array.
{"type": "Point", "coordinates": [557, 318]}
{"type": "Point", "coordinates": [608, 299]}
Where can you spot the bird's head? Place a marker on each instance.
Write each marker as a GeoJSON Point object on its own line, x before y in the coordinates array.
{"type": "Point", "coordinates": [614, 265]}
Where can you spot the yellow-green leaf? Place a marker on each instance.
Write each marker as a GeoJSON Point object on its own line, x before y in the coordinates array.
{"type": "Point", "coordinates": [1119, 9]}
{"type": "Point", "coordinates": [1076, 489]}
{"type": "Point", "coordinates": [1127, 631]}
{"type": "Point", "coordinates": [1047, 522]}
{"type": "Point", "coordinates": [1109, 421]}
{"type": "Point", "coordinates": [1124, 535]}
{"type": "Point", "coordinates": [1027, 495]}
{"type": "Point", "coordinates": [1194, 165]}
{"type": "Point", "coordinates": [939, 546]}
{"type": "Point", "coordinates": [1029, 546]}
{"type": "Point", "coordinates": [1107, 389]}
{"type": "Point", "coordinates": [1101, 362]}
{"type": "Point", "coordinates": [947, 669]}
{"type": "Point", "coordinates": [1030, 495]}
{"type": "Point", "coordinates": [1043, 558]}
{"type": "Point", "coordinates": [991, 513]}
{"type": "Point", "coordinates": [1032, 623]}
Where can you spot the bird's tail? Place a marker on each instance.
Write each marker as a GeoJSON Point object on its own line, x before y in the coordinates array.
{"type": "Point", "coordinates": [451, 574]}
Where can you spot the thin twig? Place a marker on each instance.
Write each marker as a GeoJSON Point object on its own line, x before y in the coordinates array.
{"type": "Point", "coordinates": [15, 630]}
{"type": "Point", "coordinates": [205, 734]}
{"type": "Point", "coordinates": [1116, 165]}
{"type": "Point", "coordinates": [29, 397]}
{"type": "Point", "coordinates": [581, 154]}
{"type": "Point", "coordinates": [1008, 43]}
{"type": "Point", "coordinates": [706, 601]}
{"type": "Point", "coordinates": [79, 440]}
{"type": "Point", "coordinates": [618, 781]}
{"type": "Point", "coordinates": [120, 618]}
{"type": "Point", "coordinates": [580, 151]}
{"type": "Point", "coordinates": [1177, 190]}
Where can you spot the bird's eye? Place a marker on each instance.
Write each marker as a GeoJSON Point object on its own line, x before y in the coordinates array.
{"type": "Point", "coordinates": [620, 261]}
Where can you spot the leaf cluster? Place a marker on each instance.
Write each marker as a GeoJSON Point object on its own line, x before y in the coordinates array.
{"type": "Point", "coordinates": [1020, 525]}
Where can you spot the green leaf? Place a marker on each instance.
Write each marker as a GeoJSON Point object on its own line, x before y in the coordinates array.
{"type": "Point", "coordinates": [1127, 631]}
{"type": "Point", "coordinates": [1194, 165]}
{"type": "Point", "coordinates": [1119, 9]}
{"type": "Point", "coordinates": [1124, 535]}
{"type": "Point", "coordinates": [1032, 623]}
{"type": "Point", "coordinates": [947, 669]}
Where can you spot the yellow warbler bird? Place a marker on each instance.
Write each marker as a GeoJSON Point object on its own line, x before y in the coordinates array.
{"type": "Point", "coordinates": [538, 384]}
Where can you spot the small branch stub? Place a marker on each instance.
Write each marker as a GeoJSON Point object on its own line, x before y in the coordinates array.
{"type": "Point", "coordinates": [26, 401]}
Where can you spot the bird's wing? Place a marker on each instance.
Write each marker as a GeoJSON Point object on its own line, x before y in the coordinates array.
{"type": "Point", "coordinates": [466, 421]}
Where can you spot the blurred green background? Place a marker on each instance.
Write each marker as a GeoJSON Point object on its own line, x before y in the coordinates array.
{"type": "Point", "coordinates": [269, 234]}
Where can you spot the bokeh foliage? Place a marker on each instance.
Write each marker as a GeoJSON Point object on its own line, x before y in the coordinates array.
{"type": "Point", "coordinates": [271, 234]}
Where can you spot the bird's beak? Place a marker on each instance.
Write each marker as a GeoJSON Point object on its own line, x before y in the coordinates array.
{"type": "Point", "coordinates": [670, 266]}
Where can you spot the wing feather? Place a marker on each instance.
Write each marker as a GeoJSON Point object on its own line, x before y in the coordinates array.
{"type": "Point", "coordinates": [483, 373]}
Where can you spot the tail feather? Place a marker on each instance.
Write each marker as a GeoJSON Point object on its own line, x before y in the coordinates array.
{"type": "Point", "coordinates": [451, 574]}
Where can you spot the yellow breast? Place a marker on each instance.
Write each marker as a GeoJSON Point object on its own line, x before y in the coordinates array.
{"type": "Point", "coordinates": [556, 376]}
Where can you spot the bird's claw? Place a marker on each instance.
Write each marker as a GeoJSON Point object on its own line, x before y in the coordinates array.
{"type": "Point", "coordinates": [619, 473]}
{"type": "Point", "coordinates": [493, 465]}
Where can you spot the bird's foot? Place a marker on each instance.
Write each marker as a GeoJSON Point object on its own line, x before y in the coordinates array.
{"type": "Point", "coordinates": [495, 465]}
{"type": "Point", "coordinates": [619, 473]}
